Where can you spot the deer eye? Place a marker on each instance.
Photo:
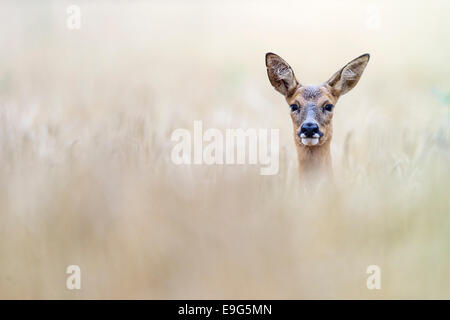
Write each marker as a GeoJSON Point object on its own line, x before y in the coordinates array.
{"type": "Point", "coordinates": [294, 107]}
{"type": "Point", "coordinates": [328, 107]}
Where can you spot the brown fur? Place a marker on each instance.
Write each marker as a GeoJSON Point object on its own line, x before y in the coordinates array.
{"type": "Point", "coordinates": [311, 101]}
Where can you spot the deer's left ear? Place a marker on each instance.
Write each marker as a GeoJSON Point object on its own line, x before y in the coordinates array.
{"type": "Point", "coordinates": [280, 74]}
{"type": "Point", "coordinates": [346, 79]}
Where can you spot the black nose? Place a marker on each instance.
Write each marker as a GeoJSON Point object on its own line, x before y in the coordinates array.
{"type": "Point", "coordinates": [309, 129]}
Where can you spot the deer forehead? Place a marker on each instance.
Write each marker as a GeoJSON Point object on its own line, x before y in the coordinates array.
{"type": "Point", "coordinates": [317, 95]}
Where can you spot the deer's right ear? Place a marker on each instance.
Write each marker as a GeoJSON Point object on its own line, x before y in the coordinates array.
{"type": "Point", "coordinates": [280, 74]}
{"type": "Point", "coordinates": [346, 79]}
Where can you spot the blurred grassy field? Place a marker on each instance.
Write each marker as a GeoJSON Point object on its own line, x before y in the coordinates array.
{"type": "Point", "coordinates": [86, 177]}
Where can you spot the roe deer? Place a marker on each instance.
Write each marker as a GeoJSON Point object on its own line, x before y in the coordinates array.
{"type": "Point", "coordinates": [312, 108]}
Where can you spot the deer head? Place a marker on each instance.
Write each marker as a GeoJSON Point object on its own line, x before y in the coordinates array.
{"type": "Point", "coordinates": [312, 107]}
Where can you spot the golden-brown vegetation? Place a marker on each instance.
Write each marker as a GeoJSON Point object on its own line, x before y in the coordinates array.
{"type": "Point", "coordinates": [86, 176]}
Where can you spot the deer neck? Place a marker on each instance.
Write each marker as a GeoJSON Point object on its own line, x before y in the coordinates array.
{"type": "Point", "coordinates": [314, 160]}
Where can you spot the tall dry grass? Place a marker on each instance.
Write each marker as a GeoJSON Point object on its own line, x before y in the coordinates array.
{"type": "Point", "coordinates": [86, 176]}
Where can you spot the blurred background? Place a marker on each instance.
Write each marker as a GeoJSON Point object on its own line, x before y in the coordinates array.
{"type": "Point", "coordinates": [86, 178]}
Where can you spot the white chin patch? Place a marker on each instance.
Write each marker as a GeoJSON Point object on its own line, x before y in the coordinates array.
{"type": "Point", "coordinates": [310, 141]}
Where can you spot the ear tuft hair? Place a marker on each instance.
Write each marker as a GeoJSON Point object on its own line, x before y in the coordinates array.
{"type": "Point", "coordinates": [346, 78]}
{"type": "Point", "coordinates": [280, 74]}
